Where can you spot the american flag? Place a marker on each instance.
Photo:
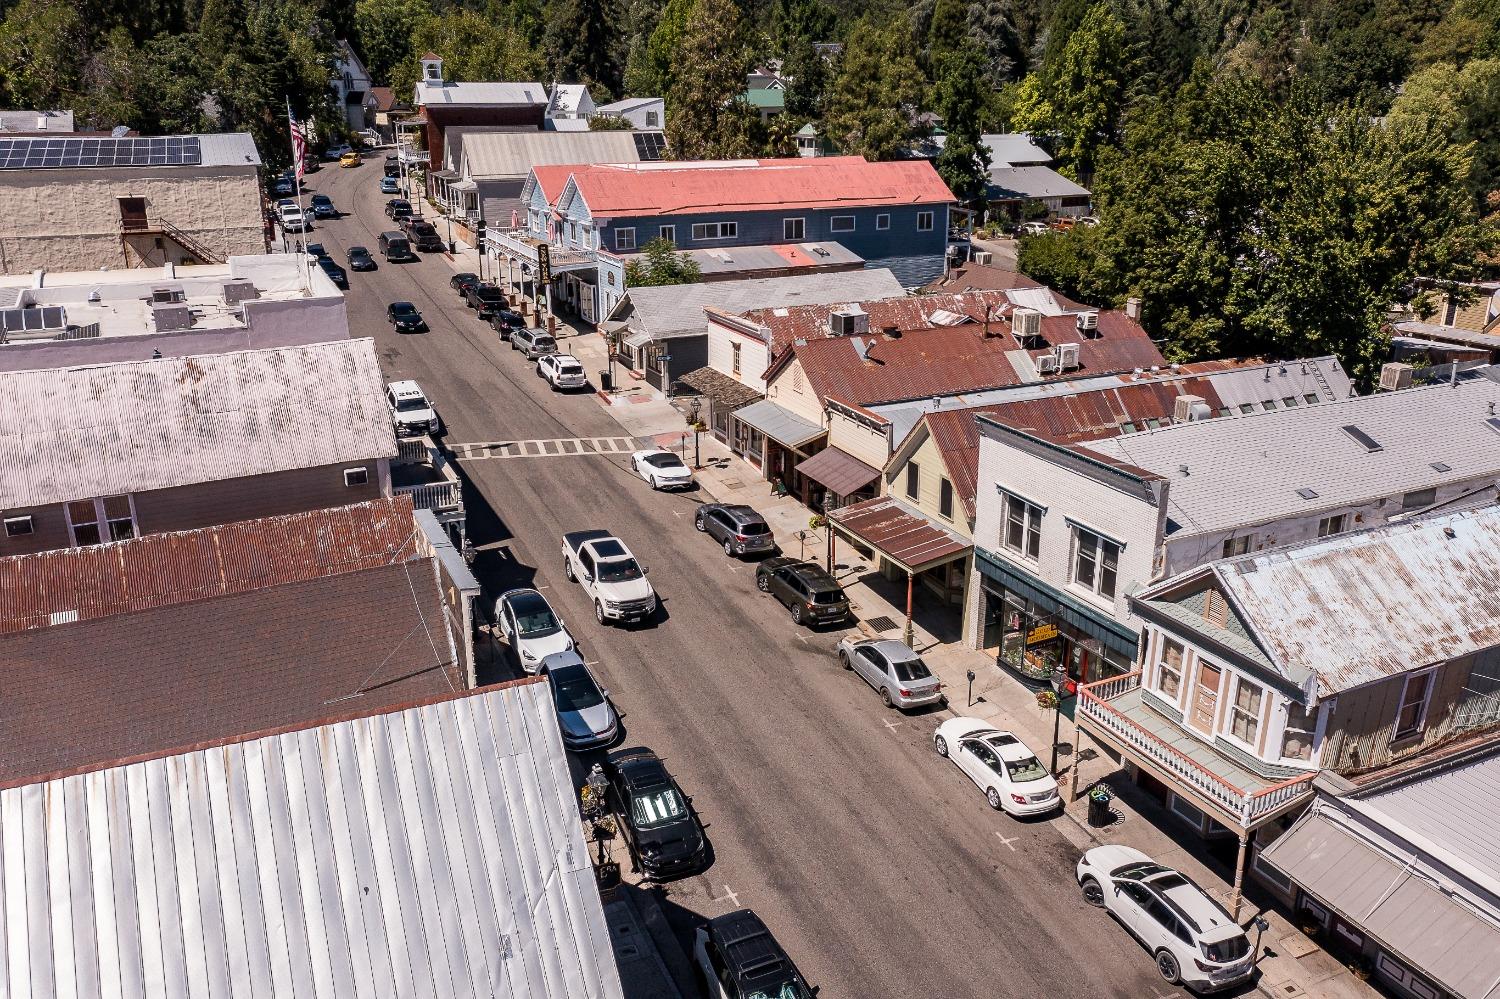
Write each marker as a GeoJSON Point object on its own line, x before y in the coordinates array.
{"type": "Point", "coordinates": [299, 145]}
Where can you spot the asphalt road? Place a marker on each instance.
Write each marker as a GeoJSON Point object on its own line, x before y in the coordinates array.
{"type": "Point", "coordinates": [877, 864]}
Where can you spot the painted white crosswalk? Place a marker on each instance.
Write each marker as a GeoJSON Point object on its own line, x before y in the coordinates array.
{"type": "Point", "coordinates": [567, 447]}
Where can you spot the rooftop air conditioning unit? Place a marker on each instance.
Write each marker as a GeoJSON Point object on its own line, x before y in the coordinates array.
{"type": "Point", "coordinates": [236, 292]}
{"type": "Point", "coordinates": [1027, 323]}
{"type": "Point", "coordinates": [983, 257]}
{"type": "Point", "coordinates": [1190, 409]}
{"type": "Point", "coordinates": [1067, 356]}
{"type": "Point", "coordinates": [1046, 364]}
{"type": "Point", "coordinates": [1088, 324]}
{"type": "Point", "coordinates": [1395, 376]}
{"type": "Point", "coordinates": [172, 316]}
{"type": "Point", "coordinates": [848, 322]}
{"type": "Point", "coordinates": [159, 295]}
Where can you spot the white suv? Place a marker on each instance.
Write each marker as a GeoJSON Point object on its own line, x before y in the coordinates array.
{"type": "Point", "coordinates": [411, 412]}
{"type": "Point", "coordinates": [562, 371]}
{"type": "Point", "coordinates": [1194, 941]}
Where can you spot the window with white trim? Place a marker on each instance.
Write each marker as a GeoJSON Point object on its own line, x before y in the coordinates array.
{"type": "Point", "coordinates": [924, 221]}
{"type": "Point", "coordinates": [794, 230]}
{"type": "Point", "coordinates": [1244, 711]}
{"type": "Point", "coordinates": [913, 479]}
{"type": "Point", "coordinates": [668, 233]}
{"type": "Point", "coordinates": [1333, 525]}
{"type": "Point", "coordinates": [1237, 546]}
{"type": "Point", "coordinates": [882, 221]}
{"type": "Point", "coordinates": [1412, 714]}
{"type": "Point", "coordinates": [735, 357]}
{"type": "Point", "coordinates": [625, 238]}
{"type": "Point", "coordinates": [715, 230]}
{"type": "Point", "coordinates": [1298, 733]}
{"type": "Point", "coordinates": [19, 527]}
{"type": "Point", "coordinates": [1023, 527]}
{"type": "Point", "coordinates": [1169, 670]}
{"type": "Point", "coordinates": [1096, 562]}
{"type": "Point", "coordinates": [841, 223]}
{"type": "Point", "coordinates": [356, 476]}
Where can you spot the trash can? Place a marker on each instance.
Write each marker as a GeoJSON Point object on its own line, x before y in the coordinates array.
{"type": "Point", "coordinates": [1100, 813]}
{"type": "Point", "coordinates": [605, 382]}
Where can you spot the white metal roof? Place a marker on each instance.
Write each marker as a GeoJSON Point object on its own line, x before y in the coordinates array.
{"type": "Point", "coordinates": [1453, 812]}
{"type": "Point", "coordinates": [1014, 148]}
{"type": "Point", "coordinates": [672, 308]}
{"type": "Point", "coordinates": [229, 149]}
{"type": "Point", "coordinates": [1034, 182]}
{"type": "Point", "coordinates": [107, 429]}
{"type": "Point", "coordinates": [513, 154]}
{"type": "Point", "coordinates": [480, 93]}
{"type": "Point", "coordinates": [1244, 470]}
{"type": "Point", "coordinates": [430, 851]}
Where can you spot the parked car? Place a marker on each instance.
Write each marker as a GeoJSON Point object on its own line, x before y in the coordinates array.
{"type": "Point", "coordinates": [405, 317]}
{"type": "Point", "coordinates": [360, 259]}
{"type": "Point", "coordinates": [284, 204]}
{"type": "Point", "coordinates": [310, 164]}
{"type": "Point", "coordinates": [737, 958]}
{"type": "Point", "coordinates": [461, 281]}
{"type": "Point", "coordinates": [601, 564]}
{"type": "Point", "coordinates": [897, 673]}
{"type": "Point", "coordinates": [389, 185]}
{"type": "Point", "coordinates": [280, 187]}
{"type": "Point", "coordinates": [351, 159]}
{"type": "Point", "coordinates": [814, 596]}
{"type": "Point", "coordinates": [1032, 228]}
{"type": "Point", "coordinates": [1088, 221]}
{"type": "Point", "coordinates": [335, 273]}
{"type": "Point", "coordinates": [393, 165]}
{"type": "Point", "coordinates": [530, 626]}
{"type": "Point", "coordinates": [737, 527]}
{"type": "Point", "coordinates": [532, 343]}
{"type": "Point", "coordinates": [411, 411]}
{"type": "Point", "coordinates": [292, 220]}
{"type": "Point", "coordinates": [584, 713]}
{"type": "Point", "coordinates": [1063, 223]}
{"type": "Point", "coordinates": [317, 250]}
{"type": "Point", "coordinates": [397, 209]}
{"type": "Point", "coordinates": [663, 469]}
{"type": "Point", "coordinates": [322, 207]}
{"type": "Point", "coordinates": [562, 371]}
{"type": "Point", "coordinates": [656, 819]}
{"type": "Point", "coordinates": [423, 236]}
{"type": "Point", "coordinates": [484, 299]}
{"type": "Point", "coordinates": [1010, 775]}
{"type": "Point", "coordinates": [1193, 939]}
{"type": "Point", "coordinates": [337, 152]}
{"type": "Point", "coordinates": [395, 247]}
{"type": "Point", "coordinates": [504, 322]}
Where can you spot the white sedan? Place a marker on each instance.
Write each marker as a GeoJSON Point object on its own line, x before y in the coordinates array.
{"type": "Point", "coordinates": [663, 469]}
{"type": "Point", "coordinates": [562, 371]}
{"type": "Point", "coordinates": [1012, 778]}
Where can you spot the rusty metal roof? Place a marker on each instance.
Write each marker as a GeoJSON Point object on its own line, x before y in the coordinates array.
{"type": "Point", "coordinates": [159, 570]}
{"type": "Point", "coordinates": [839, 471]}
{"type": "Point", "coordinates": [108, 429]}
{"type": "Point", "coordinates": [899, 532]}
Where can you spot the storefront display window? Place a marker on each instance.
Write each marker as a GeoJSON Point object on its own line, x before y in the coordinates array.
{"type": "Point", "coordinates": [1033, 642]}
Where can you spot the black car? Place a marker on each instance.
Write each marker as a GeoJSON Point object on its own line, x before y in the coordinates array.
{"type": "Point", "coordinates": [317, 250]}
{"type": "Point", "coordinates": [460, 282]}
{"type": "Point", "coordinates": [657, 820]}
{"type": "Point", "coordinates": [505, 322]}
{"type": "Point", "coordinates": [422, 235]}
{"type": "Point", "coordinates": [360, 259]}
{"type": "Point", "coordinates": [814, 596]}
{"type": "Point", "coordinates": [398, 208]}
{"type": "Point", "coordinates": [392, 166]}
{"type": "Point", "coordinates": [737, 956]}
{"type": "Point", "coordinates": [335, 272]}
{"type": "Point", "coordinates": [484, 299]}
{"type": "Point", "coordinates": [405, 317]}
{"type": "Point", "coordinates": [322, 207]}
{"type": "Point", "coordinates": [737, 527]}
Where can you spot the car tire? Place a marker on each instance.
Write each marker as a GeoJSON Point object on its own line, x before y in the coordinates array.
{"type": "Point", "coordinates": [844, 660]}
{"type": "Point", "coordinates": [598, 612]}
{"type": "Point", "coordinates": [1093, 892]}
{"type": "Point", "coordinates": [699, 524]}
{"type": "Point", "coordinates": [885, 697]}
{"type": "Point", "coordinates": [796, 613]}
{"type": "Point", "coordinates": [568, 570]}
{"type": "Point", "coordinates": [1167, 967]}
{"type": "Point", "coordinates": [940, 745]}
{"type": "Point", "coordinates": [654, 484]}
{"type": "Point", "coordinates": [763, 584]}
{"type": "Point", "coordinates": [729, 548]}
{"type": "Point", "coordinates": [993, 797]}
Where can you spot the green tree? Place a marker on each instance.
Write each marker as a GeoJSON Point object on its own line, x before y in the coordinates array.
{"type": "Point", "coordinates": [992, 27]}
{"type": "Point", "coordinates": [1465, 105]}
{"type": "Point", "coordinates": [641, 19]}
{"type": "Point", "coordinates": [959, 97]}
{"type": "Point", "coordinates": [582, 42]}
{"type": "Point", "coordinates": [473, 47]}
{"type": "Point", "coordinates": [947, 32]}
{"type": "Point", "coordinates": [384, 31]}
{"type": "Point", "coordinates": [660, 264]}
{"type": "Point", "coordinates": [708, 118]}
{"type": "Point", "coordinates": [609, 123]}
{"type": "Point", "coordinates": [872, 103]}
{"type": "Point", "coordinates": [806, 75]}
{"type": "Point", "coordinates": [40, 45]}
{"type": "Point", "coordinates": [652, 70]}
{"type": "Point", "coordinates": [1078, 97]}
{"type": "Point", "coordinates": [1065, 261]}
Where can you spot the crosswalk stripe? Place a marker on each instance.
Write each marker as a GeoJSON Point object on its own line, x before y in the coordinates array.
{"type": "Point", "coordinates": [554, 448]}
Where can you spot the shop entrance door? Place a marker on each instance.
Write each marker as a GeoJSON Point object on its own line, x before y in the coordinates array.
{"type": "Point", "coordinates": [1206, 698]}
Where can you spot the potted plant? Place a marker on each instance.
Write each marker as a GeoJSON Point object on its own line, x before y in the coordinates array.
{"type": "Point", "coordinates": [817, 522]}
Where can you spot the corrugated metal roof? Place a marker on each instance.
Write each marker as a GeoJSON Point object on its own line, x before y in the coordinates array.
{"type": "Point", "coordinates": [1456, 808]}
{"type": "Point", "coordinates": [839, 471]}
{"type": "Point", "coordinates": [1403, 901]}
{"type": "Point", "coordinates": [667, 309]}
{"type": "Point", "coordinates": [431, 850]}
{"type": "Point", "coordinates": [899, 532]}
{"type": "Point", "coordinates": [779, 423]}
{"type": "Point", "coordinates": [229, 149]}
{"type": "Point", "coordinates": [1247, 469]}
{"type": "Point", "coordinates": [103, 430]}
{"type": "Point", "coordinates": [1353, 608]}
{"type": "Point", "coordinates": [1014, 147]}
{"type": "Point", "coordinates": [981, 277]}
{"type": "Point", "coordinates": [489, 155]}
{"type": "Point", "coordinates": [1009, 182]}
{"type": "Point", "coordinates": [524, 94]}
{"type": "Point", "coordinates": [160, 570]}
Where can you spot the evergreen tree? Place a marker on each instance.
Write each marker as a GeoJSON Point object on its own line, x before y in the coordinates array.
{"type": "Point", "coordinates": [581, 43]}
{"type": "Point", "coordinates": [654, 71]}
{"type": "Point", "coordinates": [708, 117]}
{"type": "Point", "coordinates": [872, 103]}
{"type": "Point", "coordinates": [806, 76]}
{"type": "Point", "coordinates": [660, 264]}
{"type": "Point", "coordinates": [964, 163]}
{"type": "Point", "coordinates": [641, 19]}
{"type": "Point", "coordinates": [992, 27]}
{"type": "Point", "coordinates": [384, 31]}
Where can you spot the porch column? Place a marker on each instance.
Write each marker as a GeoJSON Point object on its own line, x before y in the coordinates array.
{"type": "Point", "coordinates": [1237, 899]}
{"type": "Point", "coordinates": [909, 634]}
{"type": "Point", "coordinates": [831, 537]}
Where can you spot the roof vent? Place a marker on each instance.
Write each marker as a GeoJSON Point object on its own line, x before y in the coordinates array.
{"type": "Point", "coordinates": [850, 320]}
{"type": "Point", "coordinates": [1307, 493]}
{"type": "Point", "coordinates": [172, 316]}
{"type": "Point", "coordinates": [160, 295]}
{"type": "Point", "coordinates": [236, 292]}
{"type": "Point", "coordinates": [1441, 466]}
{"type": "Point", "coordinates": [861, 348]}
{"type": "Point", "coordinates": [1367, 442]}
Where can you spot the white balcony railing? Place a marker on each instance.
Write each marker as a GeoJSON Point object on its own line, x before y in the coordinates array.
{"type": "Point", "coordinates": [1248, 806]}
{"type": "Point", "coordinates": [438, 497]}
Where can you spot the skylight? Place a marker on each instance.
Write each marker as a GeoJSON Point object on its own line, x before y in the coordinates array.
{"type": "Point", "coordinates": [1307, 493]}
{"type": "Point", "coordinates": [1365, 440]}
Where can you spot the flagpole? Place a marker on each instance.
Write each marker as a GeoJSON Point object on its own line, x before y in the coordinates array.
{"type": "Point", "coordinates": [298, 153]}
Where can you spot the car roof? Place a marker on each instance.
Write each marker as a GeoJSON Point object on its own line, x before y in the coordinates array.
{"type": "Point", "coordinates": [402, 305]}
{"type": "Point", "coordinates": [405, 387]}
{"type": "Point", "coordinates": [892, 649]}
{"type": "Point", "coordinates": [748, 946]}
{"type": "Point", "coordinates": [642, 768]}
{"type": "Point", "coordinates": [812, 572]}
{"type": "Point", "coordinates": [609, 547]}
{"type": "Point", "coordinates": [1208, 917]}
{"type": "Point", "coordinates": [522, 593]}
{"type": "Point", "coordinates": [558, 661]}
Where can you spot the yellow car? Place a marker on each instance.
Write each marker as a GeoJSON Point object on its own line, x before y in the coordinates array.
{"type": "Point", "coordinates": [351, 158]}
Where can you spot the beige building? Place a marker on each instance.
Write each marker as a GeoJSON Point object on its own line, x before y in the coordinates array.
{"type": "Point", "coordinates": [71, 203]}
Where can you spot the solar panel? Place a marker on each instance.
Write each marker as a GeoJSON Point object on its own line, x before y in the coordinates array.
{"type": "Point", "coordinates": [42, 154]}
{"type": "Point", "coordinates": [650, 145]}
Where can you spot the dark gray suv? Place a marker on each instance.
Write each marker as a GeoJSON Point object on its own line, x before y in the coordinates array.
{"type": "Point", "coordinates": [737, 527]}
{"type": "Point", "coordinates": [813, 595]}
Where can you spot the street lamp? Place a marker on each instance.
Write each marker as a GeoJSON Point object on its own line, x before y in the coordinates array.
{"type": "Point", "coordinates": [696, 407]}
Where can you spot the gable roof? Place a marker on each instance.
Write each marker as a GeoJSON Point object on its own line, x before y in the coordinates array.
{"type": "Point", "coordinates": [568, 98]}
{"type": "Point", "coordinates": [688, 187]}
{"type": "Point", "coordinates": [1009, 182]}
{"type": "Point", "coordinates": [673, 308]}
{"type": "Point", "coordinates": [627, 104]}
{"type": "Point", "coordinates": [981, 277]}
{"type": "Point", "coordinates": [480, 94]}
{"type": "Point", "coordinates": [107, 429]}
{"type": "Point", "coordinates": [376, 853]}
{"type": "Point", "coordinates": [1010, 148]}
{"type": "Point", "coordinates": [491, 154]}
{"type": "Point", "coordinates": [384, 97]}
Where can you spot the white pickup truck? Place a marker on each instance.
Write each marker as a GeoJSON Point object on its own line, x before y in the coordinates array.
{"type": "Point", "coordinates": [600, 563]}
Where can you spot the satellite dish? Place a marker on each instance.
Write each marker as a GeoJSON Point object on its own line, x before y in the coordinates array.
{"type": "Point", "coordinates": [119, 131]}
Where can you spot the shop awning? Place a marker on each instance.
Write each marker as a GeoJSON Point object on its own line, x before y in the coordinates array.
{"type": "Point", "coordinates": [724, 392]}
{"type": "Point", "coordinates": [638, 338]}
{"type": "Point", "coordinates": [779, 423]}
{"type": "Point", "coordinates": [899, 532]}
{"type": "Point", "coordinates": [840, 471]}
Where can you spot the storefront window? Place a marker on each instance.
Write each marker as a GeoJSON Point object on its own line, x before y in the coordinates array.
{"type": "Point", "coordinates": [1033, 641]}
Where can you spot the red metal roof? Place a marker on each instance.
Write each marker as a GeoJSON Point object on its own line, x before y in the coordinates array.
{"type": "Point", "coordinates": [899, 532]}
{"type": "Point", "coordinates": [807, 322]}
{"type": "Point", "coordinates": [743, 185]}
{"type": "Point", "coordinates": [159, 570]}
{"type": "Point", "coordinates": [981, 277]}
{"type": "Point", "coordinates": [552, 179]}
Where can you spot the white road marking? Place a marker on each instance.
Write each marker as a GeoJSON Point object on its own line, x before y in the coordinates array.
{"type": "Point", "coordinates": [732, 897]}
{"type": "Point", "coordinates": [560, 447]}
{"type": "Point", "coordinates": [1007, 842]}
{"type": "Point", "coordinates": [892, 726]}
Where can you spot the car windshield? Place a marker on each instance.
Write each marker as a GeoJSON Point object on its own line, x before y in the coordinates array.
{"type": "Point", "coordinates": [574, 689]}
{"type": "Point", "coordinates": [358, 251]}
{"type": "Point", "coordinates": [664, 460]}
{"type": "Point", "coordinates": [489, 294]}
{"type": "Point", "coordinates": [790, 989]}
{"type": "Point", "coordinates": [619, 571]}
{"type": "Point", "coordinates": [534, 619]}
{"type": "Point", "coordinates": [321, 199]}
{"type": "Point", "coordinates": [404, 309]}
{"type": "Point", "coordinates": [411, 404]}
{"type": "Point", "coordinates": [910, 669]}
{"type": "Point", "coordinates": [657, 807]}
{"type": "Point", "coordinates": [1225, 951]}
{"type": "Point", "coordinates": [1028, 769]}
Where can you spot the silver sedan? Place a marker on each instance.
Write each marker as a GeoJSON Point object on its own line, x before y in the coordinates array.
{"type": "Point", "coordinates": [896, 672]}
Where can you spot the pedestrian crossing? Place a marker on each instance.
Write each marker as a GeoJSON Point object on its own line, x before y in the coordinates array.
{"type": "Point", "coordinates": [556, 448]}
